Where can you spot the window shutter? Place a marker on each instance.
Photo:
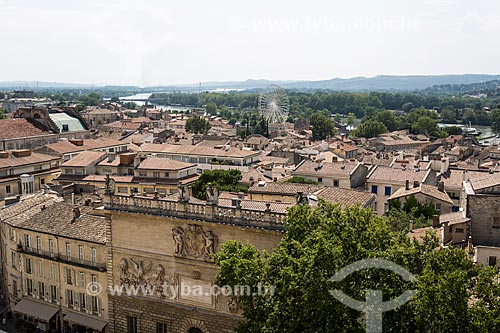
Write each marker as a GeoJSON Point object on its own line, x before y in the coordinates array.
{"type": "Point", "coordinates": [88, 307]}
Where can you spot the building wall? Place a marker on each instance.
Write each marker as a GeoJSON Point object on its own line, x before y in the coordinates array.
{"type": "Point", "coordinates": [484, 211]}
{"type": "Point", "coordinates": [484, 255]}
{"type": "Point", "coordinates": [148, 241]}
{"type": "Point", "coordinates": [52, 272]}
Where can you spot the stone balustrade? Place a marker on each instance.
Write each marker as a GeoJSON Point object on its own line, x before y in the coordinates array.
{"type": "Point", "coordinates": [208, 212]}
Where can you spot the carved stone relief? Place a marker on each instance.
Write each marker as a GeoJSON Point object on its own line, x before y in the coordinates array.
{"type": "Point", "coordinates": [194, 242]}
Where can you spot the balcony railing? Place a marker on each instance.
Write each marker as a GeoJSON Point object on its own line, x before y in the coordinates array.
{"type": "Point", "coordinates": [62, 258]}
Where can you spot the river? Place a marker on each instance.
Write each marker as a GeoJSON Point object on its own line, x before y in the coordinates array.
{"type": "Point", "coordinates": [139, 100]}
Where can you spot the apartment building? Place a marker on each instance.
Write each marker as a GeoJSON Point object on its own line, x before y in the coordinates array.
{"type": "Point", "coordinates": [24, 172]}
{"type": "Point", "coordinates": [51, 252]}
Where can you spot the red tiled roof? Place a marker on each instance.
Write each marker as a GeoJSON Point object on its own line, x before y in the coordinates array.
{"type": "Point", "coordinates": [19, 128]}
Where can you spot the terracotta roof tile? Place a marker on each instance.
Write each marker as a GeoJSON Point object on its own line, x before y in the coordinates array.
{"type": "Point", "coordinates": [155, 163]}
{"type": "Point", "coordinates": [19, 128]}
{"type": "Point", "coordinates": [346, 197]}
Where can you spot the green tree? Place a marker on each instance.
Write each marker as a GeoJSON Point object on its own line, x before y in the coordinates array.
{"type": "Point", "coordinates": [495, 120]}
{"type": "Point", "coordinates": [322, 126]}
{"type": "Point", "coordinates": [351, 118]}
{"type": "Point", "coordinates": [406, 107]}
{"type": "Point", "coordinates": [211, 108]}
{"type": "Point", "coordinates": [197, 125]}
{"type": "Point", "coordinates": [223, 180]}
{"type": "Point", "coordinates": [426, 125]}
{"type": "Point", "coordinates": [2, 113]}
{"type": "Point", "coordinates": [370, 128]}
{"type": "Point", "coordinates": [300, 180]}
{"type": "Point", "coordinates": [319, 242]}
{"type": "Point", "coordinates": [114, 99]}
{"type": "Point", "coordinates": [448, 115]}
{"type": "Point", "coordinates": [389, 119]}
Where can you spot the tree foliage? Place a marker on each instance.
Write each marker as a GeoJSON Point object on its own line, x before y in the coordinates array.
{"type": "Point", "coordinates": [197, 125]}
{"type": "Point", "coordinates": [370, 128]}
{"type": "Point", "coordinates": [321, 241]}
{"type": "Point", "coordinates": [223, 180]}
{"type": "Point", "coordinates": [322, 126]}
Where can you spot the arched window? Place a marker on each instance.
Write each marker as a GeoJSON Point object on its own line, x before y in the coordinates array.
{"type": "Point", "coordinates": [195, 330]}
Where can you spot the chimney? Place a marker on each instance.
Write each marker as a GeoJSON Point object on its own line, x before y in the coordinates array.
{"type": "Point", "coordinates": [441, 186]}
{"type": "Point", "coordinates": [76, 142]}
{"type": "Point", "coordinates": [137, 161]}
{"type": "Point", "coordinates": [407, 185]}
{"type": "Point", "coordinates": [411, 226]}
{"type": "Point", "coordinates": [111, 157]}
{"type": "Point", "coordinates": [435, 221]}
{"type": "Point", "coordinates": [76, 213]}
{"type": "Point", "coordinates": [21, 152]}
{"type": "Point", "coordinates": [416, 184]}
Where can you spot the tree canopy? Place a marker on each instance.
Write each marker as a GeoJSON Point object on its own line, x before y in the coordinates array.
{"type": "Point", "coordinates": [370, 128]}
{"type": "Point", "coordinates": [321, 241]}
{"type": "Point", "coordinates": [223, 180]}
{"type": "Point", "coordinates": [197, 125]}
{"type": "Point", "coordinates": [322, 126]}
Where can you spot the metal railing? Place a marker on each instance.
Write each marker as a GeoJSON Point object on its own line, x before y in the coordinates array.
{"type": "Point", "coordinates": [62, 258]}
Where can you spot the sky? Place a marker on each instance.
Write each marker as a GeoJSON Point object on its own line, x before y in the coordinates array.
{"type": "Point", "coordinates": [153, 42]}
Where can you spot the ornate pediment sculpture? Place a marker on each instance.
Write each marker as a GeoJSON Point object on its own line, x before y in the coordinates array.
{"type": "Point", "coordinates": [194, 242]}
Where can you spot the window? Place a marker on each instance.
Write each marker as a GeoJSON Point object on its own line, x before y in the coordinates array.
{"type": "Point", "coordinates": [51, 248]}
{"type": "Point", "coordinates": [53, 294]}
{"type": "Point", "coordinates": [438, 207]}
{"type": "Point", "coordinates": [40, 269]}
{"type": "Point", "coordinates": [28, 268]}
{"type": "Point", "coordinates": [93, 256]}
{"type": "Point", "coordinates": [156, 174]}
{"type": "Point", "coordinates": [80, 252]}
{"type": "Point", "coordinates": [335, 183]}
{"type": "Point", "coordinates": [143, 174]}
{"type": "Point", "coordinates": [27, 241]}
{"type": "Point", "coordinates": [68, 171]}
{"type": "Point", "coordinates": [122, 189]}
{"type": "Point", "coordinates": [12, 234]}
{"type": "Point", "coordinates": [374, 189]}
{"type": "Point", "coordinates": [492, 261]}
{"type": "Point", "coordinates": [13, 259]}
{"type": "Point", "coordinates": [69, 298]}
{"type": "Point", "coordinates": [68, 251]}
{"type": "Point", "coordinates": [29, 287]}
{"type": "Point", "coordinates": [161, 327]}
{"type": "Point", "coordinates": [8, 189]}
{"type": "Point", "coordinates": [131, 324]}
{"type": "Point", "coordinates": [41, 290]}
{"type": "Point", "coordinates": [82, 279]}
{"type": "Point", "coordinates": [65, 128]}
{"type": "Point", "coordinates": [39, 244]}
{"type": "Point", "coordinates": [14, 287]}
{"type": "Point", "coordinates": [83, 301]}
{"type": "Point", "coordinates": [94, 305]}
{"type": "Point", "coordinates": [320, 180]}
{"type": "Point", "coordinates": [496, 222]}
{"type": "Point", "coordinates": [166, 175]}
{"type": "Point", "coordinates": [387, 190]}
{"type": "Point", "coordinates": [42, 181]}
{"type": "Point", "coordinates": [69, 276]}
{"type": "Point", "coordinates": [53, 275]}
{"type": "Point", "coordinates": [459, 230]}
{"type": "Point", "coordinates": [38, 167]}
{"type": "Point", "coordinates": [93, 278]}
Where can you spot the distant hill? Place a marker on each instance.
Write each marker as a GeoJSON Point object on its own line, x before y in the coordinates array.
{"type": "Point", "coordinates": [377, 83]}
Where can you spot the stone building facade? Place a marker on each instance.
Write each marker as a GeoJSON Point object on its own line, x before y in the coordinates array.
{"type": "Point", "coordinates": [166, 245]}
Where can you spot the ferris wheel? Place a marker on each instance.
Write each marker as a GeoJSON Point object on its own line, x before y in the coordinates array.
{"type": "Point", "coordinates": [273, 104]}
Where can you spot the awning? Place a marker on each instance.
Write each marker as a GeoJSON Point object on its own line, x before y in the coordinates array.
{"type": "Point", "coordinates": [35, 309]}
{"type": "Point", "coordinates": [87, 321]}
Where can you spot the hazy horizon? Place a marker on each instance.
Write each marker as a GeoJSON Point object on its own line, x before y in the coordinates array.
{"type": "Point", "coordinates": [154, 43]}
